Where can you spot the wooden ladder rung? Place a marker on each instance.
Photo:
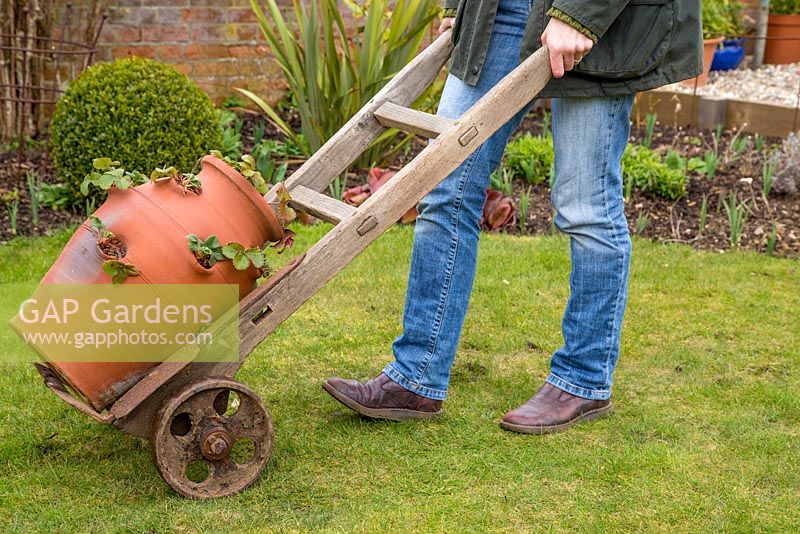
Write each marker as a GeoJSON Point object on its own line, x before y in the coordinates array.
{"type": "Point", "coordinates": [319, 205]}
{"type": "Point", "coordinates": [411, 120]}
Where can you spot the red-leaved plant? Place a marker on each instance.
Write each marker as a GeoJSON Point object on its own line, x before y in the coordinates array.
{"type": "Point", "coordinates": [375, 180]}
{"type": "Point", "coordinates": [498, 211]}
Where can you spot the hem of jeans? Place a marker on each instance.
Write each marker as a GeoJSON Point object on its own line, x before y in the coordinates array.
{"type": "Point", "coordinates": [430, 393]}
{"type": "Point", "coordinates": [591, 394]}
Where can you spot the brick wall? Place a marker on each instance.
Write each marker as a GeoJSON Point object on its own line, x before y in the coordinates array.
{"type": "Point", "coordinates": [217, 43]}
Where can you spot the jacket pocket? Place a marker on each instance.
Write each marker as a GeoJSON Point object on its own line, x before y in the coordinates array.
{"type": "Point", "coordinates": [635, 43]}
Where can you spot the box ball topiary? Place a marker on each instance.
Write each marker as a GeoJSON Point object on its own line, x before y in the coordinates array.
{"type": "Point", "coordinates": [140, 112]}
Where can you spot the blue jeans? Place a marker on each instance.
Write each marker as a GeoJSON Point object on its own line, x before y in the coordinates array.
{"type": "Point", "coordinates": [589, 135]}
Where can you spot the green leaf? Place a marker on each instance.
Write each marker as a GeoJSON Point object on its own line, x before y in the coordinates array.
{"type": "Point", "coordinates": [106, 181]}
{"type": "Point", "coordinates": [256, 257]}
{"type": "Point", "coordinates": [231, 250]}
{"type": "Point", "coordinates": [104, 163]}
{"type": "Point", "coordinates": [241, 262]}
{"type": "Point", "coordinates": [97, 224]}
{"type": "Point", "coordinates": [119, 271]}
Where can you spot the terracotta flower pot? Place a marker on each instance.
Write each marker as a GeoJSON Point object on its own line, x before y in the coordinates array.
{"type": "Point", "coordinates": [779, 51]}
{"type": "Point", "coordinates": [152, 220]}
{"type": "Point", "coordinates": [709, 47]}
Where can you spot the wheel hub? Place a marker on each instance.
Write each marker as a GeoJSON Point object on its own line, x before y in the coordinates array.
{"type": "Point", "coordinates": [216, 444]}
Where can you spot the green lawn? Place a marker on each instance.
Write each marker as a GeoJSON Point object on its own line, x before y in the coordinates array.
{"type": "Point", "coordinates": [705, 437]}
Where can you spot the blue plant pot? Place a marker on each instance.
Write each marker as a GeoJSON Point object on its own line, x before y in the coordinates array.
{"type": "Point", "coordinates": [729, 56]}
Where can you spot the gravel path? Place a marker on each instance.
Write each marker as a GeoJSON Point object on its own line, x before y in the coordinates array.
{"type": "Point", "coordinates": [775, 84]}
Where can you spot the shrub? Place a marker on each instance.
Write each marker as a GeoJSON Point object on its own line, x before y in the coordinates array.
{"type": "Point", "coordinates": [530, 156]}
{"type": "Point", "coordinates": [146, 114]}
{"type": "Point", "coordinates": [644, 170]}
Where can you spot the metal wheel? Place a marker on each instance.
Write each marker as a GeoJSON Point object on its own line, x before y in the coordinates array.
{"type": "Point", "coordinates": [212, 438]}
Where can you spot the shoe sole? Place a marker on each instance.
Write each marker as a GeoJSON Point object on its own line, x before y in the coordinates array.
{"type": "Point", "coordinates": [552, 429]}
{"type": "Point", "coordinates": [392, 414]}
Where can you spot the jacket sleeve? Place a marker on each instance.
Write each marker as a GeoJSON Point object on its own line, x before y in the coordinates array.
{"type": "Point", "coordinates": [596, 17]}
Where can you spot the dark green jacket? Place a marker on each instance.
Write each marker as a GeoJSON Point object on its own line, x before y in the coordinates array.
{"type": "Point", "coordinates": [639, 44]}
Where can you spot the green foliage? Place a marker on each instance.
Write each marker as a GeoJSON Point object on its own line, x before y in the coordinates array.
{"type": "Point", "coordinates": [231, 126]}
{"type": "Point", "coordinates": [721, 18]}
{"type": "Point", "coordinates": [106, 175]}
{"type": "Point", "coordinates": [34, 187]}
{"type": "Point", "coordinates": [650, 126]}
{"type": "Point", "coordinates": [265, 154]}
{"type": "Point", "coordinates": [772, 239]}
{"type": "Point", "coordinates": [54, 196]}
{"type": "Point", "coordinates": [703, 216]}
{"type": "Point", "coordinates": [145, 113]}
{"type": "Point", "coordinates": [738, 212]}
{"type": "Point", "coordinates": [100, 227]}
{"type": "Point", "coordinates": [11, 201]}
{"type": "Point", "coordinates": [642, 221]}
{"type": "Point", "coordinates": [710, 163]}
{"type": "Point", "coordinates": [243, 257]}
{"type": "Point", "coordinates": [644, 169]}
{"type": "Point", "coordinates": [501, 180]}
{"type": "Point", "coordinates": [208, 251]}
{"type": "Point", "coordinates": [531, 157]}
{"type": "Point", "coordinates": [767, 176]}
{"type": "Point", "coordinates": [785, 7]}
{"type": "Point", "coordinates": [119, 271]}
{"type": "Point", "coordinates": [247, 167]}
{"type": "Point", "coordinates": [524, 206]}
{"type": "Point", "coordinates": [330, 76]}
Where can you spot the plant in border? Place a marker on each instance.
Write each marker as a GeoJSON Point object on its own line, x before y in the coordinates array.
{"type": "Point", "coordinates": [330, 76]}
{"type": "Point", "coordinates": [644, 169]}
{"type": "Point", "coordinates": [530, 156]}
{"type": "Point", "coordinates": [498, 211]}
{"type": "Point", "coordinates": [524, 205]}
{"type": "Point", "coordinates": [11, 201]}
{"type": "Point", "coordinates": [738, 213]}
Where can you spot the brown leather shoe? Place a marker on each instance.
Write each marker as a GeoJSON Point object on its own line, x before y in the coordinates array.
{"type": "Point", "coordinates": [382, 398]}
{"type": "Point", "coordinates": [553, 410]}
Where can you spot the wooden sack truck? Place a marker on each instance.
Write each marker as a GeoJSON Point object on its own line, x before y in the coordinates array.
{"type": "Point", "coordinates": [181, 406]}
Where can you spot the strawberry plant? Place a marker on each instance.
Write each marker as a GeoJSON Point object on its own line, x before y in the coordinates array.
{"type": "Point", "coordinates": [107, 242]}
{"type": "Point", "coordinates": [188, 181]}
{"type": "Point", "coordinates": [243, 257]}
{"type": "Point", "coordinates": [119, 271]}
{"type": "Point", "coordinates": [208, 251]}
{"type": "Point", "coordinates": [247, 167]}
{"type": "Point", "coordinates": [106, 175]}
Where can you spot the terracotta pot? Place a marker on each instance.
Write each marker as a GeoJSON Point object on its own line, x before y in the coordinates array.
{"type": "Point", "coordinates": [709, 47]}
{"type": "Point", "coordinates": [152, 220]}
{"type": "Point", "coordinates": [779, 51]}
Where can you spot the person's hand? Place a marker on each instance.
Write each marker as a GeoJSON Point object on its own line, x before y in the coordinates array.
{"type": "Point", "coordinates": [446, 24]}
{"type": "Point", "coordinates": [566, 44]}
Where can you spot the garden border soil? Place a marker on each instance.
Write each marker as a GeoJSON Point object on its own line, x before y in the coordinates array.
{"type": "Point", "coordinates": [667, 221]}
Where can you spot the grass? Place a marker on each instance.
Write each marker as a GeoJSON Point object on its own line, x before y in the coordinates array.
{"type": "Point", "coordinates": [705, 437]}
